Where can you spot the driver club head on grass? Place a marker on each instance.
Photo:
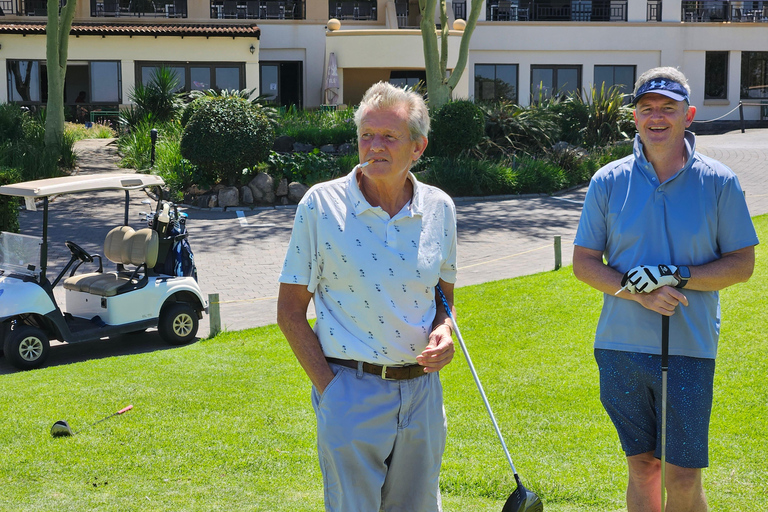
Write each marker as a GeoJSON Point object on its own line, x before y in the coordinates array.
{"type": "Point", "coordinates": [62, 429]}
{"type": "Point", "coordinates": [523, 500]}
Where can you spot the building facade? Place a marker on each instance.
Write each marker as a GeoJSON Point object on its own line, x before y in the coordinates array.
{"type": "Point", "coordinates": [520, 49]}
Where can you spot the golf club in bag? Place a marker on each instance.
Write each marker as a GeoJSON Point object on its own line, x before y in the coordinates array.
{"type": "Point", "coordinates": [62, 429]}
{"type": "Point", "coordinates": [522, 500]}
{"type": "Point", "coordinates": [664, 370]}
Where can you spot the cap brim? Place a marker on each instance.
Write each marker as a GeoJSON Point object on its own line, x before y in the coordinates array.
{"type": "Point", "coordinates": [668, 94]}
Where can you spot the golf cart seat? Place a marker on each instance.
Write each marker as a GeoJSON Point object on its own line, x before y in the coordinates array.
{"type": "Point", "coordinates": [123, 246]}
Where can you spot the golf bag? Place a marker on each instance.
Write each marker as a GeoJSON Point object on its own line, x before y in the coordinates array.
{"type": "Point", "coordinates": [175, 256]}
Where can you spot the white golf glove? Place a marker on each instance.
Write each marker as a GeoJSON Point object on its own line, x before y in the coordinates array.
{"type": "Point", "coordinates": [646, 278]}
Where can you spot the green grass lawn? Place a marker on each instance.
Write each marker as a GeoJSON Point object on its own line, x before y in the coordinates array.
{"type": "Point", "coordinates": [227, 424]}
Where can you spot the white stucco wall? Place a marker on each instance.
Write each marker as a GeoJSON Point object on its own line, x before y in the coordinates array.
{"type": "Point", "coordinates": [128, 50]}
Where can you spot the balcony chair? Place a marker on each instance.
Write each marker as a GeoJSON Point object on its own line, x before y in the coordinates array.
{"type": "Point", "coordinates": [230, 9]}
{"type": "Point", "coordinates": [275, 10]}
{"type": "Point", "coordinates": [252, 9]}
{"type": "Point", "coordinates": [364, 11]}
{"type": "Point", "coordinates": [504, 10]}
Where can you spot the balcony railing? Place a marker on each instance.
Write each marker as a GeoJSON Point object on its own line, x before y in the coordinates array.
{"type": "Point", "coordinates": [26, 7]}
{"type": "Point", "coordinates": [351, 10]}
{"type": "Point", "coordinates": [714, 11]}
{"type": "Point", "coordinates": [259, 9]}
{"type": "Point", "coordinates": [654, 10]}
{"type": "Point", "coordinates": [459, 10]}
{"type": "Point", "coordinates": [550, 10]}
{"type": "Point", "coordinates": [139, 8]}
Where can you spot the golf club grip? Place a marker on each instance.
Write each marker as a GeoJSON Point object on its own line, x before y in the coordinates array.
{"type": "Point", "coordinates": [477, 379]}
{"type": "Point", "coordinates": [124, 409]}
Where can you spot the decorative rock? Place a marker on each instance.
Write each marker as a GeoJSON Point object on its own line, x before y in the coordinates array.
{"type": "Point", "coordinates": [282, 188]}
{"type": "Point", "coordinates": [246, 196]}
{"type": "Point", "coordinates": [347, 149]}
{"type": "Point", "coordinates": [284, 200]}
{"type": "Point", "coordinates": [262, 188]}
{"type": "Point", "coordinates": [228, 196]}
{"type": "Point", "coordinates": [208, 201]}
{"type": "Point", "coordinates": [284, 144]}
{"type": "Point", "coordinates": [296, 191]}
{"type": "Point", "coordinates": [328, 149]}
{"type": "Point", "coordinates": [300, 147]}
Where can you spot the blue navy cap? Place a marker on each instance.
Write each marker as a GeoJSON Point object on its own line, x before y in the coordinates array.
{"type": "Point", "coordinates": [665, 87]}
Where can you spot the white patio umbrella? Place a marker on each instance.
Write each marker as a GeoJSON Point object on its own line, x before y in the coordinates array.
{"type": "Point", "coordinates": [331, 81]}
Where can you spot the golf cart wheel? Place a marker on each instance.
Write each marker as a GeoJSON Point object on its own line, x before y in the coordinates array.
{"type": "Point", "coordinates": [178, 323]}
{"type": "Point", "coordinates": [26, 347]}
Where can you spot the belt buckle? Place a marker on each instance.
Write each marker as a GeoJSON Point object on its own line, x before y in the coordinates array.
{"type": "Point", "coordinates": [384, 373]}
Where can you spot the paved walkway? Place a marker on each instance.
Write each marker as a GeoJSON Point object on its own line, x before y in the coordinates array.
{"type": "Point", "coordinates": [240, 257]}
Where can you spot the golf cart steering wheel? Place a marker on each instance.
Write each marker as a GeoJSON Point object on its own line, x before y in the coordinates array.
{"type": "Point", "coordinates": [78, 252]}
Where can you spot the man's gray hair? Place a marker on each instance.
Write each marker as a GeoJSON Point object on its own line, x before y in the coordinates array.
{"type": "Point", "coordinates": [667, 72]}
{"type": "Point", "coordinates": [383, 95]}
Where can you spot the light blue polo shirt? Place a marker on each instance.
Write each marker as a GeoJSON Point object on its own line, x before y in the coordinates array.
{"type": "Point", "coordinates": [691, 219]}
{"type": "Point", "coordinates": [373, 277]}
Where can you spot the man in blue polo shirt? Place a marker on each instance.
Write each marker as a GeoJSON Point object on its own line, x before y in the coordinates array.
{"type": "Point", "coordinates": [661, 232]}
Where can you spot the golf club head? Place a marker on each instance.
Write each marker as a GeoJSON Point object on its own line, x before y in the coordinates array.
{"type": "Point", "coordinates": [61, 428]}
{"type": "Point", "coordinates": [523, 500]}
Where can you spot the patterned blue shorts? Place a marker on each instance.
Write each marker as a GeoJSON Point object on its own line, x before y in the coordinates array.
{"type": "Point", "coordinates": [630, 390]}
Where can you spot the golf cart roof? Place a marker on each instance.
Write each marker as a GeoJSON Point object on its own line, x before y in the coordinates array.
{"type": "Point", "coordinates": [84, 183]}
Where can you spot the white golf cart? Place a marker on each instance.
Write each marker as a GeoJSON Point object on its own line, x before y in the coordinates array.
{"type": "Point", "coordinates": [139, 294]}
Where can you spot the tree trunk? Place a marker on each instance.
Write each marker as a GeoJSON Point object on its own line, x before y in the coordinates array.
{"type": "Point", "coordinates": [440, 84]}
{"type": "Point", "coordinates": [57, 49]}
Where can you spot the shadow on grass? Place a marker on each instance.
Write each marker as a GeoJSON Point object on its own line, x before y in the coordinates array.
{"type": "Point", "coordinates": [124, 345]}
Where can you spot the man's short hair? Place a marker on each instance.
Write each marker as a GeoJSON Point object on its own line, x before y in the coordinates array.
{"type": "Point", "coordinates": [383, 95]}
{"type": "Point", "coordinates": [667, 81]}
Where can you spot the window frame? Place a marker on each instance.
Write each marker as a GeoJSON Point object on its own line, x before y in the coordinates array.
{"type": "Point", "coordinates": [707, 77]}
{"type": "Point", "coordinates": [516, 85]}
{"type": "Point", "coordinates": [555, 68]}
{"type": "Point", "coordinates": [629, 87]}
{"type": "Point", "coordinates": [187, 65]}
{"type": "Point", "coordinates": [745, 67]}
{"type": "Point", "coordinates": [43, 92]}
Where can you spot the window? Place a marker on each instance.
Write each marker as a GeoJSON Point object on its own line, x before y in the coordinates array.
{"type": "Point", "coordinates": [407, 78]}
{"type": "Point", "coordinates": [754, 75]}
{"type": "Point", "coordinates": [198, 75]}
{"type": "Point", "coordinates": [23, 81]}
{"type": "Point", "coordinates": [716, 75]}
{"type": "Point", "coordinates": [622, 77]}
{"type": "Point", "coordinates": [282, 82]}
{"type": "Point", "coordinates": [547, 81]}
{"type": "Point", "coordinates": [494, 82]}
{"type": "Point", "coordinates": [95, 82]}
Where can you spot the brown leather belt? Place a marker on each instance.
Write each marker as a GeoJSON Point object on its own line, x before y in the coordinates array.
{"type": "Point", "coordinates": [410, 371]}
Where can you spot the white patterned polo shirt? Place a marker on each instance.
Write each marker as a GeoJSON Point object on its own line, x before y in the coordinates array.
{"type": "Point", "coordinates": [372, 277]}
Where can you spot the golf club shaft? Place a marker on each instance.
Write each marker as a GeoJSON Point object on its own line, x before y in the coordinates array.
{"type": "Point", "coordinates": [121, 411]}
{"type": "Point", "coordinates": [477, 379]}
{"type": "Point", "coordinates": [664, 370]}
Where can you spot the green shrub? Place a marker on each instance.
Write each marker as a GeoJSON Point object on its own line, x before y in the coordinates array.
{"type": "Point", "coordinates": [306, 168]}
{"type": "Point", "coordinates": [157, 101]}
{"type": "Point", "coordinates": [595, 117]}
{"type": "Point", "coordinates": [12, 121]}
{"type": "Point", "coordinates": [467, 176]}
{"type": "Point", "coordinates": [457, 127]}
{"type": "Point", "coordinates": [9, 205]}
{"type": "Point", "coordinates": [226, 136]}
{"type": "Point", "coordinates": [512, 129]}
{"type": "Point", "coordinates": [319, 127]}
{"type": "Point", "coordinates": [538, 175]}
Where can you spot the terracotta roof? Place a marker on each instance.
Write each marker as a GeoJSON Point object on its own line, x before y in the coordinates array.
{"type": "Point", "coordinates": [131, 29]}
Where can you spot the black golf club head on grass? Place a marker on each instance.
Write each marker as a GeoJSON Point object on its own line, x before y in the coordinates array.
{"type": "Point", "coordinates": [522, 500]}
{"type": "Point", "coordinates": [61, 428]}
